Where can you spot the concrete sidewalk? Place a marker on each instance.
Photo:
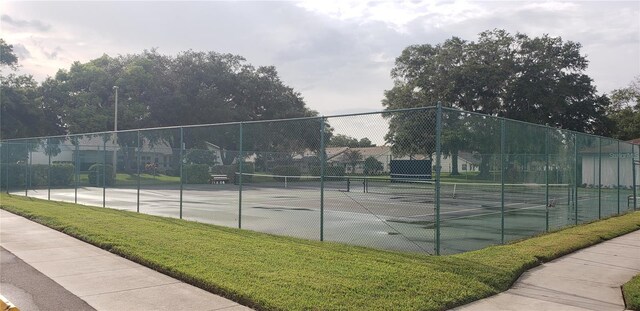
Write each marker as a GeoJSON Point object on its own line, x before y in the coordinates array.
{"type": "Point", "coordinates": [588, 279]}
{"type": "Point", "coordinates": [104, 280]}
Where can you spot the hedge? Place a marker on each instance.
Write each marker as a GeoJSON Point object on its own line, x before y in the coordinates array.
{"type": "Point", "coordinates": [61, 175]}
{"type": "Point", "coordinates": [328, 171]}
{"type": "Point", "coordinates": [95, 175]}
{"type": "Point", "coordinates": [287, 171]}
{"type": "Point", "coordinates": [195, 174]}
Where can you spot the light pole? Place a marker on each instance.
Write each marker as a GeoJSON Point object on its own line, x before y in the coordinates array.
{"type": "Point", "coordinates": [115, 133]}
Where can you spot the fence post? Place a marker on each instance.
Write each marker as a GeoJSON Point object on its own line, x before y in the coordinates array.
{"type": "Point", "coordinates": [599, 178]}
{"type": "Point", "coordinates": [322, 168]}
{"type": "Point", "coordinates": [77, 172]}
{"type": "Point", "coordinates": [438, 155]}
{"type": "Point", "coordinates": [104, 173]}
{"type": "Point", "coordinates": [138, 172]}
{"type": "Point", "coordinates": [26, 170]}
{"type": "Point", "coordinates": [181, 166]}
{"type": "Point", "coordinates": [240, 160]}
{"type": "Point", "coordinates": [503, 146]}
{"type": "Point", "coordinates": [48, 171]}
{"type": "Point", "coordinates": [546, 178]}
{"type": "Point", "coordinates": [30, 165]}
{"type": "Point", "coordinates": [618, 184]}
{"type": "Point", "coordinates": [575, 158]}
{"type": "Point", "coordinates": [6, 162]}
{"type": "Point", "coordinates": [634, 174]}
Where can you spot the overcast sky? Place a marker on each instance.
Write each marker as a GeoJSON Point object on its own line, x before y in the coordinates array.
{"type": "Point", "coordinates": [338, 54]}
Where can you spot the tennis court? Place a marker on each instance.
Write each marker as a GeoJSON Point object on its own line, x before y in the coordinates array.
{"type": "Point", "coordinates": [362, 211]}
{"type": "Point", "coordinates": [500, 180]}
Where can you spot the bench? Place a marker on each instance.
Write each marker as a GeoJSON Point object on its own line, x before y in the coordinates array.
{"type": "Point", "coordinates": [218, 179]}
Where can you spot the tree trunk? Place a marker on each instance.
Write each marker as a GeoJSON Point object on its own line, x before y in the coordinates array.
{"type": "Point", "coordinates": [454, 163]}
{"type": "Point", "coordinates": [485, 167]}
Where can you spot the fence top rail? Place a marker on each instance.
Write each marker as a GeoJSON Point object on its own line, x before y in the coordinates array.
{"type": "Point", "coordinates": [533, 124]}
{"type": "Point", "coordinates": [224, 123]}
{"type": "Point", "coordinates": [383, 112]}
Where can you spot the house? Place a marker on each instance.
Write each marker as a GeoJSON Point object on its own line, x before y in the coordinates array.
{"type": "Point", "coordinates": [467, 162]}
{"type": "Point", "coordinates": [91, 150]}
{"type": "Point", "coordinates": [382, 154]}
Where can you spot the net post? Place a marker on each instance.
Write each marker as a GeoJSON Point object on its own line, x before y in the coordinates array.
{"type": "Point", "coordinates": [438, 156]}
{"type": "Point", "coordinates": [546, 177]}
{"type": "Point", "coordinates": [48, 171]}
{"type": "Point", "coordinates": [77, 172]}
{"type": "Point", "coordinates": [104, 172]}
{"type": "Point", "coordinates": [599, 178]}
{"type": "Point", "coordinates": [181, 166]}
{"type": "Point", "coordinates": [503, 145]}
{"type": "Point", "coordinates": [240, 160]}
{"type": "Point", "coordinates": [139, 151]}
{"type": "Point", "coordinates": [322, 173]}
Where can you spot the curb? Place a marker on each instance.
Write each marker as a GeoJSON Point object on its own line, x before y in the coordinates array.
{"type": "Point", "coordinates": [6, 305]}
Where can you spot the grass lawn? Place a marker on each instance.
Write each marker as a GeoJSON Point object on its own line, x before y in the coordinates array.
{"type": "Point", "coordinates": [270, 272]}
{"type": "Point", "coordinates": [631, 291]}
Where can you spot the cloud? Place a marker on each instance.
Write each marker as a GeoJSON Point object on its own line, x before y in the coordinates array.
{"type": "Point", "coordinates": [25, 24]}
{"type": "Point", "coordinates": [21, 51]}
{"type": "Point", "coordinates": [337, 53]}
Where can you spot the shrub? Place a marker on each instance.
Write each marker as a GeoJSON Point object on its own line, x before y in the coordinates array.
{"type": "Point", "coordinates": [200, 156]}
{"type": "Point", "coordinates": [16, 175]}
{"type": "Point", "coordinates": [61, 174]}
{"type": "Point", "coordinates": [96, 172]}
{"type": "Point", "coordinates": [286, 171]}
{"type": "Point", "coordinates": [328, 171]}
{"type": "Point", "coordinates": [195, 174]}
{"type": "Point", "coordinates": [38, 175]}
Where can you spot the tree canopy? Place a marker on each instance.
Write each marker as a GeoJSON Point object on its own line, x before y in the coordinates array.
{"type": "Point", "coordinates": [23, 112]}
{"type": "Point", "coordinates": [539, 80]}
{"type": "Point", "coordinates": [625, 111]}
{"type": "Point", "coordinates": [341, 140]}
{"type": "Point", "coordinates": [190, 88]}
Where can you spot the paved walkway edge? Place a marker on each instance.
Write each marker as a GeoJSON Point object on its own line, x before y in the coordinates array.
{"type": "Point", "coordinates": [102, 279]}
{"type": "Point", "coordinates": [588, 279]}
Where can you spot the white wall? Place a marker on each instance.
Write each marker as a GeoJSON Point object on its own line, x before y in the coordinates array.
{"type": "Point", "coordinates": [590, 171]}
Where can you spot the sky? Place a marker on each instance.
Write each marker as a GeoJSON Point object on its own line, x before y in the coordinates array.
{"type": "Point", "coordinates": [337, 54]}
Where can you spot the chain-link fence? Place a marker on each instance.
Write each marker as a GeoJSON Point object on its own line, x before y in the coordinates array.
{"type": "Point", "coordinates": [432, 180]}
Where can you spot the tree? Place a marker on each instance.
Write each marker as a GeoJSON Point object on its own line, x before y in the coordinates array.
{"type": "Point", "coordinates": [200, 156]}
{"type": "Point", "coordinates": [341, 140]}
{"type": "Point", "coordinates": [372, 166]}
{"type": "Point", "coordinates": [625, 111]}
{"type": "Point", "coordinates": [352, 157]}
{"type": "Point", "coordinates": [23, 112]}
{"type": "Point", "coordinates": [365, 142]}
{"type": "Point", "coordinates": [539, 80]}
{"type": "Point", "coordinates": [191, 88]}
{"type": "Point", "coordinates": [7, 56]}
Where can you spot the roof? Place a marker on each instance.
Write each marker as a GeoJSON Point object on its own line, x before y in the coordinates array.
{"type": "Point", "coordinates": [373, 151]}
{"type": "Point", "coordinates": [470, 157]}
{"type": "Point", "coordinates": [634, 141]}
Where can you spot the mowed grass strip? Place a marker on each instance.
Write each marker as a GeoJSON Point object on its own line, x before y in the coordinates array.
{"type": "Point", "coordinates": [280, 273]}
{"type": "Point", "coordinates": [631, 292]}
